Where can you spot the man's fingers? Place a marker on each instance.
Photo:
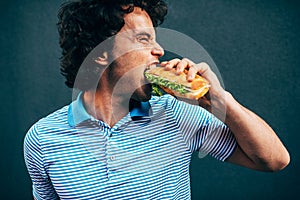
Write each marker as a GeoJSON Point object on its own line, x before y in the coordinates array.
{"type": "Point", "coordinates": [192, 73]}
{"type": "Point", "coordinates": [182, 65]}
{"type": "Point", "coordinates": [200, 68]}
{"type": "Point", "coordinates": [170, 64]}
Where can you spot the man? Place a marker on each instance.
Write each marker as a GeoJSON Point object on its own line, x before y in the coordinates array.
{"type": "Point", "coordinates": [116, 141]}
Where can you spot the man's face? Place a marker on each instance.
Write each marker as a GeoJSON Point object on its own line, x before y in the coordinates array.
{"type": "Point", "coordinates": [135, 50]}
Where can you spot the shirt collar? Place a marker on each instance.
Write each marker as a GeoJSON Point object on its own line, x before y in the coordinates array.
{"type": "Point", "coordinates": [78, 114]}
{"type": "Point", "coordinates": [139, 109]}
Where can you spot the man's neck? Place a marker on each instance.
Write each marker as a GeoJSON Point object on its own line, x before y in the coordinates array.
{"type": "Point", "coordinates": [104, 106]}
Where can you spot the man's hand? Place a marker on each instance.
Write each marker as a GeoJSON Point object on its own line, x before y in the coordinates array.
{"type": "Point", "coordinates": [214, 100]}
{"type": "Point", "coordinates": [258, 147]}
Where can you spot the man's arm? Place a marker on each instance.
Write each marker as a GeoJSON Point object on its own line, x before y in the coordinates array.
{"type": "Point", "coordinates": [258, 147]}
{"type": "Point", "coordinates": [33, 156]}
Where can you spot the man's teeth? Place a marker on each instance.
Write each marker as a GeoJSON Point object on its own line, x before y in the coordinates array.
{"type": "Point", "coordinates": [152, 66]}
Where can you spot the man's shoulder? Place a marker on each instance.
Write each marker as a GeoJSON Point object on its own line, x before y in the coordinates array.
{"type": "Point", "coordinates": [58, 117]}
{"type": "Point", "coordinates": [164, 100]}
{"type": "Point", "coordinates": [178, 108]}
{"type": "Point", "coordinates": [168, 101]}
{"type": "Point", "coordinates": [53, 121]}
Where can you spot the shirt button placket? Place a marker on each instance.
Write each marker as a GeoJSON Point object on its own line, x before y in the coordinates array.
{"type": "Point", "coordinates": [110, 147]}
{"type": "Point", "coordinates": [111, 158]}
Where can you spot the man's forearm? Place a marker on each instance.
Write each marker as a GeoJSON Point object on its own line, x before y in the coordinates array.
{"type": "Point", "coordinates": [255, 137]}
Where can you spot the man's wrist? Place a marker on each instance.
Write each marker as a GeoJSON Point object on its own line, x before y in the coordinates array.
{"type": "Point", "coordinates": [234, 110]}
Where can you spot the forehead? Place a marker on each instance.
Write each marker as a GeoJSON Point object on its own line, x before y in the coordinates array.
{"type": "Point", "coordinates": [137, 20]}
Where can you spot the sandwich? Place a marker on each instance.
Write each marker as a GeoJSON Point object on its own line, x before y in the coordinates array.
{"type": "Point", "coordinates": [176, 84]}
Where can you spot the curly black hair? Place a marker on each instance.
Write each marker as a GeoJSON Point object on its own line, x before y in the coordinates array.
{"type": "Point", "coordinates": [84, 24]}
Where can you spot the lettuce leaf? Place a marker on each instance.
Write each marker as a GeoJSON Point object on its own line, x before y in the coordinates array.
{"type": "Point", "coordinates": [165, 83]}
{"type": "Point", "coordinates": [157, 91]}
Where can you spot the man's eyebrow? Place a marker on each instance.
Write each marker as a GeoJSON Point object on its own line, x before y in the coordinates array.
{"type": "Point", "coordinates": [143, 33]}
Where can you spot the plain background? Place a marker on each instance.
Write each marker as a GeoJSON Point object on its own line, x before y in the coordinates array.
{"type": "Point", "coordinates": [254, 43]}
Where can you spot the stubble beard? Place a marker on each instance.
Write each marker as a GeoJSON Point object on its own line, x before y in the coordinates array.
{"type": "Point", "coordinates": [143, 93]}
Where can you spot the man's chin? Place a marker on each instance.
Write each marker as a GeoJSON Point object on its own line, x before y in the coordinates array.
{"type": "Point", "coordinates": [143, 93]}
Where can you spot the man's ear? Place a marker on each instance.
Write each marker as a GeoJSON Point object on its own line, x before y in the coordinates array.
{"type": "Point", "coordinates": [102, 60]}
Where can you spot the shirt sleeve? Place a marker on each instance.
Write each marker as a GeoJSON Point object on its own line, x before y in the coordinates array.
{"type": "Point", "coordinates": [217, 140]}
{"type": "Point", "coordinates": [42, 187]}
{"type": "Point", "coordinates": [202, 131]}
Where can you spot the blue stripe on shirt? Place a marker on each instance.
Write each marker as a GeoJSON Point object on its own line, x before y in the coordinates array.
{"type": "Point", "coordinates": [147, 158]}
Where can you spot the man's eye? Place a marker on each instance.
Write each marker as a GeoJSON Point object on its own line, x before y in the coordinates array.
{"type": "Point", "coordinates": [143, 39]}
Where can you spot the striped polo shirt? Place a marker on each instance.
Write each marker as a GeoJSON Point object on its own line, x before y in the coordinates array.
{"type": "Point", "coordinates": [146, 155]}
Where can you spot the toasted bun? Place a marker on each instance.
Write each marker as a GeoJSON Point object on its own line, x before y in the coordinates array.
{"type": "Point", "coordinates": [197, 88]}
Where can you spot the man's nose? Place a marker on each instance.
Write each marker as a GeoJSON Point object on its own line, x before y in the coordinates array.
{"type": "Point", "coordinates": [157, 50]}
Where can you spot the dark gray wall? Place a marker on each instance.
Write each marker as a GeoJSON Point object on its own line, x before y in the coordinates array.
{"type": "Point", "coordinates": [255, 45]}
